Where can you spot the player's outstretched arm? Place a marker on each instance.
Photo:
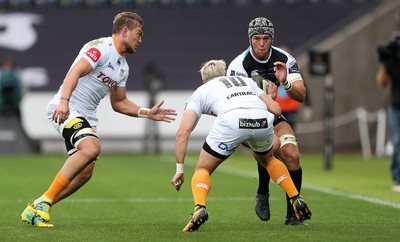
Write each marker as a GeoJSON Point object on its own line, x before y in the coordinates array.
{"type": "Point", "coordinates": [121, 104]}
{"type": "Point", "coordinates": [157, 113]}
{"type": "Point", "coordinates": [188, 123]}
{"type": "Point", "coordinates": [272, 106]}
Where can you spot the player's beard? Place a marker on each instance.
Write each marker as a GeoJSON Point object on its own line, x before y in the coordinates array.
{"type": "Point", "coordinates": [130, 50]}
{"type": "Point", "coordinates": [261, 54]}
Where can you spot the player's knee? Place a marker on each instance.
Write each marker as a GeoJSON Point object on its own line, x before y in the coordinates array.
{"type": "Point", "coordinates": [291, 156]}
{"type": "Point", "coordinates": [90, 149]}
{"type": "Point", "coordinates": [291, 153]}
{"type": "Point", "coordinates": [92, 152]}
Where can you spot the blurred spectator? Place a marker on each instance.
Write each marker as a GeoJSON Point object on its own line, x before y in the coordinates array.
{"type": "Point", "coordinates": [289, 106]}
{"type": "Point", "coordinates": [389, 73]}
{"type": "Point", "coordinates": [10, 88]}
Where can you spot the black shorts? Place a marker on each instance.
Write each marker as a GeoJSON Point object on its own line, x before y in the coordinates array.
{"type": "Point", "coordinates": [76, 130]}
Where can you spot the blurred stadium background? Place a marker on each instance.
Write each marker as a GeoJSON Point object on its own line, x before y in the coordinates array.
{"type": "Point", "coordinates": [44, 36]}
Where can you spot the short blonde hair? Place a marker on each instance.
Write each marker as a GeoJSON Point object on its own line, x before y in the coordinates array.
{"type": "Point", "coordinates": [126, 19]}
{"type": "Point", "coordinates": [212, 69]}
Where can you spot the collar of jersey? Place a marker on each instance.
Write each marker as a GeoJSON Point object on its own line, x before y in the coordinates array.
{"type": "Point", "coordinates": [116, 47]}
{"type": "Point", "coordinates": [261, 61]}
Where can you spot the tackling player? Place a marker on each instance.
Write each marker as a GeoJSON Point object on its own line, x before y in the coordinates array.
{"type": "Point", "coordinates": [244, 114]}
{"type": "Point", "coordinates": [259, 59]}
{"type": "Point", "coordinates": [99, 69]}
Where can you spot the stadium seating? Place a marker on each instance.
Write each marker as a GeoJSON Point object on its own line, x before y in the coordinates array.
{"type": "Point", "coordinates": [28, 4]}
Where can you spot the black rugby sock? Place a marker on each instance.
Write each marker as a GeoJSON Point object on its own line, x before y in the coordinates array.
{"type": "Point", "coordinates": [297, 180]}
{"type": "Point", "coordinates": [263, 180]}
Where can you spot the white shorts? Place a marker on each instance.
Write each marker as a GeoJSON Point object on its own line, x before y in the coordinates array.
{"type": "Point", "coordinates": [253, 126]}
{"type": "Point", "coordinates": [73, 113]}
{"type": "Point", "coordinates": [74, 129]}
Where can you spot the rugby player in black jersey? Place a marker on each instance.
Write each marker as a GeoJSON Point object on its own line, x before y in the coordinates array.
{"type": "Point", "coordinates": [258, 59]}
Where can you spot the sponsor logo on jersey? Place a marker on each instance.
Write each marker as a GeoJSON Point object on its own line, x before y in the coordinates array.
{"type": "Point", "coordinates": [122, 72]}
{"type": "Point", "coordinates": [235, 73]}
{"type": "Point", "coordinates": [110, 66]}
{"type": "Point", "coordinates": [94, 54]}
{"type": "Point", "coordinates": [254, 73]}
{"type": "Point", "coordinates": [107, 80]}
{"type": "Point", "coordinates": [245, 123]}
{"type": "Point", "coordinates": [294, 69]}
{"type": "Point", "coordinates": [238, 94]}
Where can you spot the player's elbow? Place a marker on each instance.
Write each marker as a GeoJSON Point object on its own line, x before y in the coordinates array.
{"type": "Point", "coordinates": [302, 98]}
{"type": "Point", "coordinates": [182, 136]}
{"type": "Point", "coordinates": [116, 108]}
{"type": "Point", "coordinates": [298, 91]}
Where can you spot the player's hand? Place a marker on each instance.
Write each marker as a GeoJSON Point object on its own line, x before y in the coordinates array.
{"type": "Point", "coordinates": [272, 90]}
{"type": "Point", "coordinates": [162, 114]}
{"type": "Point", "coordinates": [281, 71]}
{"type": "Point", "coordinates": [177, 181]}
{"type": "Point", "coordinates": [61, 113]}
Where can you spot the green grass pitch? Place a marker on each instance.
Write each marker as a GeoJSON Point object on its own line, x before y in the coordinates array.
{"type": "Point", "coordinates": [130, 198]}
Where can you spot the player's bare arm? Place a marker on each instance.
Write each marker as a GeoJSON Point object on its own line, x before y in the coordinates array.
{"type": "Point", "coordinates": [294, 88]}
{"type": "Point", "coordinates": [298, 91]}
{"type": "Point", "coordinates": [121, 104]}
{"type": "Point", "coordinates": [187, 125]}
{"type": "Point", "coordinates": [80, 69]}
{"type": "Point", "coordinates": [272, 106]}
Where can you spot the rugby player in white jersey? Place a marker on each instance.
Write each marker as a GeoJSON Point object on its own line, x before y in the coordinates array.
{"type": "Point", "coordinates": [245, 113]}
{"type": "Point", "coordinates": [259, 59]}
{"type": "Point", "coordinates": [99, 69]}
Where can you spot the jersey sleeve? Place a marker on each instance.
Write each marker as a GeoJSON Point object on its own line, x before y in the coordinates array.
{"type": "Point", "coordinates": [236, 68]}
{"type": "Point", "coordinates": [194, 103]}
{"type": "Point", "coordinates": [293, 69]}
{"type": "Point", "coordinates": [122, 83]}
{"type": "Point", "coordinates": [95, 52]}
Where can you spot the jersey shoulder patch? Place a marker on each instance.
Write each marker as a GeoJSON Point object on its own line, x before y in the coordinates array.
{"type": "Point", "coordinates": [94, 54]}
